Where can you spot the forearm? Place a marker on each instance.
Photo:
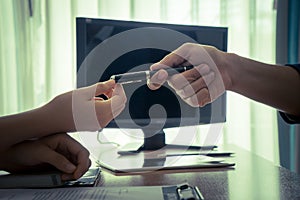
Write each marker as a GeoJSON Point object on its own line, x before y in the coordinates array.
{"type": "Point", "coordinates": [274, 85]}
{"type": "Point", "coordinates": [31, 124]}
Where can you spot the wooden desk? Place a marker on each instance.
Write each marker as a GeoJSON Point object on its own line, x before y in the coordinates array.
{"type": "Point", "coordinates": [252, 178]}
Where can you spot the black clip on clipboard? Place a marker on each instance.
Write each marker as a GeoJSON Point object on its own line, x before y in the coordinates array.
{"type": "Point", "coordinates": [187, 192]}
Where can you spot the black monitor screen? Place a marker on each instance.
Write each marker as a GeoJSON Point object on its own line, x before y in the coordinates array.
{"type": "Point", "coordinates": [109, 47]}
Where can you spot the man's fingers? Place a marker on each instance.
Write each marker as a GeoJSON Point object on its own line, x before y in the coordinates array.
{"type": "Point", "coordinates": [197, 85]}
{"type": "Point", "coordinates": [201, 98]}
{"type": "Point", "coordinates": [169, 60]}
{"type": "Point", "coordinates": [157, 79]}
{"type": "Point", "coordinates": [179, 81]}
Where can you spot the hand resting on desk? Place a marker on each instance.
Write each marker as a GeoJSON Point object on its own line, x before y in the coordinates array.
{"type": "Point", "coordinates": [59, 150]}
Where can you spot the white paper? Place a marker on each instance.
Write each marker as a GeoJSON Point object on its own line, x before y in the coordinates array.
{"type": "Point", "coordinates": [99, 193]}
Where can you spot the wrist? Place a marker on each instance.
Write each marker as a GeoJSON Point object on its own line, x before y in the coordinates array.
{"type": "Point", "coordinates": [225, 63]}
{"type": "Point", "coordinates": [59, 111]}
{"type": "Point", "coordinates": [230, 64]}
{"type": "Point", "coordinates": [47, 120]}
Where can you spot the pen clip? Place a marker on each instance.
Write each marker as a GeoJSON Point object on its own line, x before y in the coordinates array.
{"type": "Point", "coordinates": [187, 192]}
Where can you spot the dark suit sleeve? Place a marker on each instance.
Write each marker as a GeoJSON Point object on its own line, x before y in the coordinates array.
{"type": "Point", "coordinates": [290, 118]}
{"type": "Point", "coordinates": [296, 67]}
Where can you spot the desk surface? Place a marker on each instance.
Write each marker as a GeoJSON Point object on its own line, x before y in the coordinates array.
{"type": "Point", "coordinates": [253, 177]}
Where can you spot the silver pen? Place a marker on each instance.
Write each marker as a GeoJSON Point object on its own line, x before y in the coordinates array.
{"type": "Point", "coordinates": [135, 77]}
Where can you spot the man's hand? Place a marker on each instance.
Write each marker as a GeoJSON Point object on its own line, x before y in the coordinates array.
{"type": "Point", "coordinates": [198, 86]}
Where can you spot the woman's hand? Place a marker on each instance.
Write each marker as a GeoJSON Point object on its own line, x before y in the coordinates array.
{"type": "Point", "coordinates": [60, 151]}
{"type": "Point", "coordinates": [77, 110]}
{"type": "Point", "coordinates": [82, 110]}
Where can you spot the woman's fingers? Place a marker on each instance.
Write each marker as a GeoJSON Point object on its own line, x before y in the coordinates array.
{"type": "Point", "coordinates": [111, 108]}
{"type": "Point", "coordinates": [104, 87]}
{"type": "Point", "coordinates": [67, 155]}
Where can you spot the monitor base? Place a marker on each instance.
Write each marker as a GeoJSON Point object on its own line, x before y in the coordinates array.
{"type": "Point", "coordinates": [155, 142]}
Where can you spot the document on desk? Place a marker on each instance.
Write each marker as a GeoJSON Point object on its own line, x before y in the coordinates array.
{"type": "Point", "coordinates": [103, 193]}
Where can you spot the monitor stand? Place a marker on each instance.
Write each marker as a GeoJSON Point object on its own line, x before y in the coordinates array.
{"type": "Point", "coordinates": [155, 142]}
{"type": "Point", "coordinates": [158, 140]}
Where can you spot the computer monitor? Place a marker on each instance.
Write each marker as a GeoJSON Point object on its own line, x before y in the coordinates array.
{"type": "Point", "coordinates": [103, 50]}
